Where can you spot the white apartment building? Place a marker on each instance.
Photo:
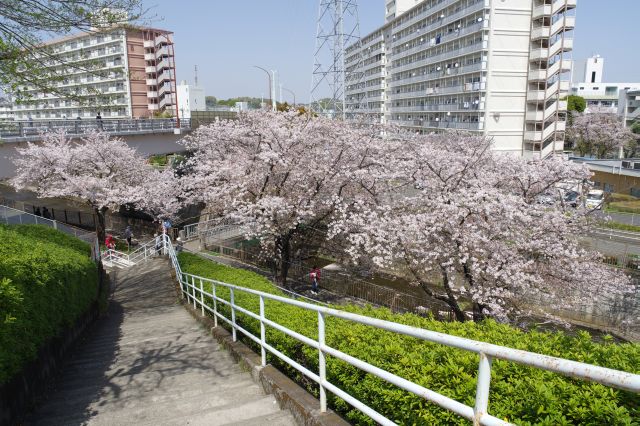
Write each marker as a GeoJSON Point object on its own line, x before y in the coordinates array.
{"type": "Point", "coordinates": [6, 110]}
{"type": "Point", "coordinates": [629, 105]}
{"type": "Point", "coordinates": [596, 93]}
{"type": "Point", "coordinates": [190, 98]}
{"type": "Point", "coordinates": [119, 73]}
{"type": "Point", "coordinates": [498, 68]}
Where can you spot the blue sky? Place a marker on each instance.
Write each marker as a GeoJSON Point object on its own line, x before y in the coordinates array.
{"type": "Point", "coordinates": [225, 38]}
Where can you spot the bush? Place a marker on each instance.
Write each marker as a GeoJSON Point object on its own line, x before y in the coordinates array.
{"type": "Point", "coordinates": [47, 280]}
{"type": "Point", "coordinates": [519, 394]}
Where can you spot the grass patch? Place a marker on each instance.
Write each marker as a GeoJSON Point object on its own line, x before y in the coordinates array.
{"type": "Point", "coordinates": [621, 226]}
{"type": "Point", "coordinates": [519, 394]}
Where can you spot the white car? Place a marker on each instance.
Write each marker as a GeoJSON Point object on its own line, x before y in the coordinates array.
{"type": "Point", "coordinates": [595, 199]}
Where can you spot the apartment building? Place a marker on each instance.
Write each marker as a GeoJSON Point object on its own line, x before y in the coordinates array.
{"type": "Point", "coordinates": [588, 84]}
{"type": "Point", "coordinates": [498, 68]}
{"type": "Point", "coordinates": [629, 105]}
{"type": "Point", "coordinates": [6, 110]}
{"type": "Point", "coordinates": [119, 73]}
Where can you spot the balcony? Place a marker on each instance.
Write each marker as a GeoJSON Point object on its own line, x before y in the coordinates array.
{"type": "Point", "coordinates": [569, 22]}
{"type": "Point", "coordinates": [150, 69]}
{"type": "Point", "coordinates": [476, 47]}
{"type": "Point", "coordinates": [479, 5]}
{"type": "Point", "coordinates": [149, 56]}
{"type": "Point", "coordinates": [424, 45]}
{"type": "Point", "coordinates": [164, 76]}
{"type": "Point", "coordinates": [562, 45]}
{"type": "Point", "coordinates": [545, 74]}
{"type": "Point", "coordinates": [163, 64]}
{"type": "Point", "coordinates": [539, 136]}
{"type": "Point", "coordinates": [151, 82]}
{"type": "Point", "coordinates": [152, 94]}
{"type": "Point", "coordinates": [149, 43]}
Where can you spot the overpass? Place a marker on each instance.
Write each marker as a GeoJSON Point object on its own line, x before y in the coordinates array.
{"type": "Point", "coordinates": [147, 136]}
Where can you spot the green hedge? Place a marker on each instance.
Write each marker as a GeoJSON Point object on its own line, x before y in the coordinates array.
{"type": "Point", "coordinates": [47, 280]}
{"type": "Point", "coordinates": [518, 394]}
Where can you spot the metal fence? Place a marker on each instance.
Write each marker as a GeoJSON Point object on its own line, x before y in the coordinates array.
{"type": "Point", "coordinates": [193, 289]}
{"type": "Point", "coordinates": [12, 216]}
{"type": "Point", "coordinates": [345, 285]}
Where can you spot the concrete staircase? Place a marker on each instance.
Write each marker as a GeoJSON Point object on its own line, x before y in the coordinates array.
{"type": "Point", "coordinates": [149, 363]}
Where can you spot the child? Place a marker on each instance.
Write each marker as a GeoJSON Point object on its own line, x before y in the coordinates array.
{"type": "Point", "coordinates": [315, 279]}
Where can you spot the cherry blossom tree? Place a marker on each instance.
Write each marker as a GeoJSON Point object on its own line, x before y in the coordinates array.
{"type": "Point", "coordinates": [281, 174]}
{"type": "Point", "coordinates": [599, 133]}
{"type": "Point", "coordinates": [104, 172]}
{"type": "Point", "coordinates": [468, 226]}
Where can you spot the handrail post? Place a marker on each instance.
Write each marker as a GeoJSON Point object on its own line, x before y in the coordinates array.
{"type": "Point", "coordinates": [322, 371]}
{"type": "Point", "coordinates": [482, 388]}
{"type": "Point", "coordinates": [201, 297]}
{"type": "Point", "coordinates": [182, 284]}
{"type": "Point", "coordinates": [263, 338]}
{"type": "Point", "coordinates": [215, 306]}
{"type": "Point", "coordinates": [193, 289]}
{"type": "Point", "coordinates": [233, 316]}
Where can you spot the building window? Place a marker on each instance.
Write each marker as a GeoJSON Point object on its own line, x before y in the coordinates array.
{"type": "Point", "coordinates": [608, 187]}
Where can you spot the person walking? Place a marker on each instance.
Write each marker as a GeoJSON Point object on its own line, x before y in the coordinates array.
{"type": "Point", "coordinates": [99, 121]}
{"type": "Point", "coordinates": [45, 213]}
{"type": "Point", "coordinates": [158, 243]}
{"type": "Point", "coordinates": [166, 227]}
{"type": "Point", "coordinates": [128, 235]}
{"type": "Point", "coordinates": [314, 275]}
{"type": "Point", "coordinates": [37, 212]}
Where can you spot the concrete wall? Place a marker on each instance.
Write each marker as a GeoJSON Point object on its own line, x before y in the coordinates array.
{"type": "Point", "coordinates": [146, 145]}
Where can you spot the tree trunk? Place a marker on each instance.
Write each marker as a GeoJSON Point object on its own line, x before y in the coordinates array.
{"type": "Point", "coordinates": [285, 256]}
{"type": "Point", "coordinates": [100, 223]}
{"type": "Point", "coordinates": [478, 315]}
{"type": "Point", "coordinates": [449, 299]}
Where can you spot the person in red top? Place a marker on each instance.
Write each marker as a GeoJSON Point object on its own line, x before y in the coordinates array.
{"type": "Point", "coordinates": [110, 242]}
{"type": "Point", "coordinates": [314, 275]}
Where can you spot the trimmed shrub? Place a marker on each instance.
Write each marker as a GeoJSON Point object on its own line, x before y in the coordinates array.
{"type": "Point", "coordinates": [519, 394]}
{"type": "Point", "coordinates": [47, 280]}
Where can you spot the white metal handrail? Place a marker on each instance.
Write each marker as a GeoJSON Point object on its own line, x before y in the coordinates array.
{"type": "Point", "coordinates": [486, 351]}
{"type": "Point", "coordinates": [142, 253]}
{"type": "Point", "coordinates": [12, 216]}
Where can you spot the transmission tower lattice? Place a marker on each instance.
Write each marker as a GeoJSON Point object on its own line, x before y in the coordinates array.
{"type": "Point", "coordinates": [338, 27]}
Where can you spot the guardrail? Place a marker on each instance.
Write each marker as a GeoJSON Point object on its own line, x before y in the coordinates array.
{"type": "Point", "coordinates": [142, 253]}
{"type": "Point", "coordinates": [18, 130]}
{"type": "Point", "coordinates": [12, 216]}
{"type": "Point", "coordinates": [192, 287]}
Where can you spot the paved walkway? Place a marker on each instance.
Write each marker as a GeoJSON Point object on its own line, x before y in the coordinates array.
{"type": "Point", "coordinates": [150, 363]}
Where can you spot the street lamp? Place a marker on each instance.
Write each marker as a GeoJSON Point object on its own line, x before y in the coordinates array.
{"type": "Point", "coordinates": [273, 101]}
{"type": "Point", "coordinates": [294, 95]}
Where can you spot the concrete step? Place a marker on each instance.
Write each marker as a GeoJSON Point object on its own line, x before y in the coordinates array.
{"type": "Point", "coordinates": [237, 411]}
{"type": "Point", "coordinates": [148, 362]}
